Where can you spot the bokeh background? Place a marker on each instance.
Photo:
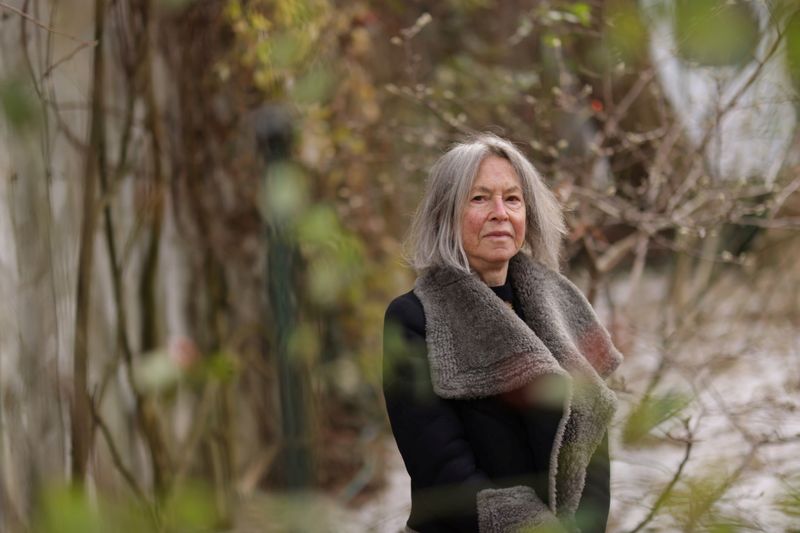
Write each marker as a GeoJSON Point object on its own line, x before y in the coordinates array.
{"type": "Point", "coordinates": [202, 210]}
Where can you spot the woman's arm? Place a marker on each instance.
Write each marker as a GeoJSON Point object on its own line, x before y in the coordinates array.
{"type": "Point", "coordinates": [449, 489]}
{"type": "Point", "coordinates": [429, 434]}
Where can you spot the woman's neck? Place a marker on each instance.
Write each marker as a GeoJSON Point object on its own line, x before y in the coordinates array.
{"type": "Point", "coordinates": [494, 277]}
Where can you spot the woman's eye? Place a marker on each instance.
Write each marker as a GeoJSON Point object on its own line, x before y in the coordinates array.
{"type": "Point", "coordinates": [478, 198]}
{"type": "Point", "coordinates": [514, 199]}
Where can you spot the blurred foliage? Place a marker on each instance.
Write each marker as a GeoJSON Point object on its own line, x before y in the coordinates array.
{"type": "Point", "coordinates": [190, 508]}
{"type": "Point", "coordinates": [625, 33]}
{"type": "Point", "coordinates": [67, 510]}
{"type": "Point", "coordinates": [285, 192]}
{"type": "Point", "coordinates": [543, 528]}
{"type": "Point", "coordinates": [716, 32]}
{"type": "Point", "coordinates": [695, 504]}
{"type": "Point", "coordinates": [336, 263]}
{"type": "Point", "coordinates": [789, 501]}
{"type": "Point", "coordinates": [652, 411]}
{"type": "Point", "coordinates": [156, 372]}
{"type": "Point", "coordinates": [161, 371]}
{"type": "Point", "coordinates": [793, 46]}
{"type": "Point", "coordinates": [18, 104]}
{"type": "Point", "coordinates": [280, 41]}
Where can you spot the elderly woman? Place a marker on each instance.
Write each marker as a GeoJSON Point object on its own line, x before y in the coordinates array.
{"type": "Point", "coordinates": [494, 363]}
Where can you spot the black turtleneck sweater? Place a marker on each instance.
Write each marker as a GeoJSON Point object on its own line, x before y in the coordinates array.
{"type": "Point", "coordinates": [452, 449]}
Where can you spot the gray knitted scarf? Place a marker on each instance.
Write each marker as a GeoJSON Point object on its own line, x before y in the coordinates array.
{"type": "Point", "coordinates": [478, 347]}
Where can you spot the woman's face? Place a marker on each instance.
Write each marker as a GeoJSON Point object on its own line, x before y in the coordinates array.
{"type": "Point", "coordinates": [493, 223]}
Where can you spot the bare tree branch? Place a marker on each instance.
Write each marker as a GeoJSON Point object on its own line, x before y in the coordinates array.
{"type": "Point", "coordinates": [689, 440]}
{"type": "Point", "coordinates": [43, 26]}
{"type": "Point", "coordinates": [127, 475]}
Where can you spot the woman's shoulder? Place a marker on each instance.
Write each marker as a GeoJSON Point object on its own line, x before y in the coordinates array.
{"type": "Point", "coordinates": [407, 311]}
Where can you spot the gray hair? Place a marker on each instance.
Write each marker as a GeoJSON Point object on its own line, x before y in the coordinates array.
{"type": "Point", "coordinates": [435, 235]}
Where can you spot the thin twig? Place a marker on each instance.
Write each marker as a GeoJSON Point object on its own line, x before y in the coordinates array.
{"type": "Point", "coordinates": [195, 433]}
{"type": "Point", "coordinates": [420, 99]}
{"type": "Point", "coordinates": [45, 26]}
{"type": "Point", "coordinates": [117, 457]}
{"type": "Point", "coordinates": [784, 195]}
{"type": "Point", "coordinates": [610, 126]}
{"type": "Point", "coordinates": [670, 486]}
{"type": "Point", "coordinates": [64, 59]}
{"type": "Point", "coordinates": [94, 161]}
{"type": "Point", "coordinates": [733, 102]}
{"type": "Point", "coordinates": [640, 258]}
{"type": "Point", "coordinates": [722, 488]}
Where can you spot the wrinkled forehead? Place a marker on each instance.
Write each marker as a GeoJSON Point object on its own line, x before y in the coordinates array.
{"type": "Point", "coordinates": [496, 170]}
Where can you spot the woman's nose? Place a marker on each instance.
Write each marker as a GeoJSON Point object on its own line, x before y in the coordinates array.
{"type": "Point", "coordinates": [499, 209]}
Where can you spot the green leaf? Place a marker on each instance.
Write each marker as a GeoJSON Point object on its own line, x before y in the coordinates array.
{"type": "Point", "coordinates": [789, 502]}
{"type": "Point", "coordinates": [715, 32]}
{"type": "Point", "coordinates": [314, 86]}
{"type": "Point", "coordinates": [334, 255]}
{"type": "Point", "coordinates": [222, 366]}
{"type": "Point", "coordinates": [17, 103]}
{"type": "Point", "coordinates": [583, 11]}
{"type": "Point", "coordinates": [695, 502]}
{"type": "Point", "coordinates": [286, 50]}
{"type": "Point", "coordinates": [551, 40]}
{"type": "Point", "coordinates": [652, 411]}
{"type": "Point", "coordinates": [285, 192]}
{"type": "Point", "coordinates": [793, 47]}
{"type": "Point", "coordinates": [326, 281]}
{"type": "Point", "coordinates": [319, 226]}
{"type": "Point", "coordinates": [67, 510]}
{"type": "Point", "coordinates": [190, 509]}
{"type": "Point", "coordinates": [156, 372]}
{"type": "Point", "coordinates": [626, 34]}
{"type": "Point", "coordinates": [304, 343]}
